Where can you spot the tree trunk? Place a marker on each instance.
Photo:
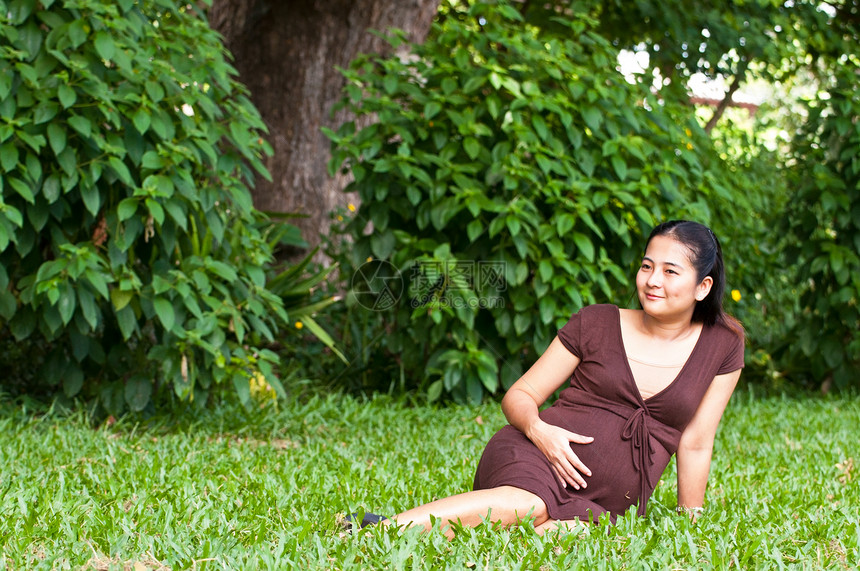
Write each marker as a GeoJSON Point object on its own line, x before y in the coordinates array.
{"type": "Point", "coordinates": [286, 52]}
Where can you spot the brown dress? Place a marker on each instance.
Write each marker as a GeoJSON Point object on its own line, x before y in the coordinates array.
{"type": "Point", "coordinates": [634, 439]}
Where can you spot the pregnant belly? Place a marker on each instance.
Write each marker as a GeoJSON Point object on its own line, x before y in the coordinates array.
{"type": "Point", "coordinates": [614, 478]}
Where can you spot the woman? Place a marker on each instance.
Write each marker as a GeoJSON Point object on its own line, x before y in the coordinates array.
{"type": "Point", "coordinates": [644, 384]}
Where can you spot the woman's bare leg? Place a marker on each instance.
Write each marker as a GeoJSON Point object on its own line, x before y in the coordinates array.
{"type": "Point", "coordinates": [506, 505]}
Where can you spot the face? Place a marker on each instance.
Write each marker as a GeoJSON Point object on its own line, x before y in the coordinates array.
{"type": "Point", "coordinates": [667, 282]}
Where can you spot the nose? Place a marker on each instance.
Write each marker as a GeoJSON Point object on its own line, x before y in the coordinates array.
{"type": "Point", "coordinates": [654, 280]}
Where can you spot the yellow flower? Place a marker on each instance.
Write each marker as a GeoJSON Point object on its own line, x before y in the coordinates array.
{"type": "Point", "coordinates": [736, 295]}
{"type": "Point", "coordinates": [690, 146]}
{"type": "Point", "coordinates": [351, 207]}
{"type": "Point", "coordinates": [369, 259]}
{"type": "Point", "coordinates": [339, 218]}
{"type": "Point", "coordinates": [687, 130]}
{"type": "Point", "coordinates": [299, 324]}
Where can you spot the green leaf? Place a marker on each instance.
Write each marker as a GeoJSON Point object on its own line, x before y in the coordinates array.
{"type": "Point", "coordinates": [141, 120]}
{"type": "Point", "coordinates": [164, 310]}
{"type": "Point", "coordinates": [127, 208]}
{"type": "Point", "coordinates": [155, 91]}
{"type": "Point", "coordinates": [35, 142]}
{"type": "Point", "coordinates": [5, 83]}
{"type": "Point", "coordinates": [81, 124]}
{"type": "Point", "coordinates": [174, 207]}
{"type": "Point", "coordinates": [434, 391]}
{"type": "Point", "coordinates": [222, 270]}
{"type": "Point", "coordinates": [121, 170]}
{"type": "Point", "coordinates": [540, 127]}
{"type": "Point", "coordinates": [390, 83]}
{"type": "Point", "coordinates": [431, 109]}
{"type": "Point", "coordinates": [51, 188]}
{"type": "Point", "coordinates": [592, 117]}
{"type": "Point", "coordinates": [120, 298]}
{"type": "Point", "coordinates": [490, 379]}
{"type": "Point", "coordinates": [67, 303]}
{"type": "Point", "coordinates": [37, 214]}
{"type": "Point", "coordinates": [77, 32]}
{"type": "Point", "coordinates": [9, 156]}
{"type": "Point", "coordinates": [22, 188]}
{"type": "Point", "coordinates": [474, 229]}
{"type": "Point", "coordinates": [323, 336]}
{"type": "Point", "coordinates": [88, 306]}
{"type": "Point", "coordinates": [91, 198]}
{"type": "Point", "coordinates": [104, 45]}
{"type": "Point", "coordinates": [155, 210]}
{"type": "Point", "coordinates": [8, 305]}
{"type": "Point", "coordinates": [382, 244]}
{"type": "Point", "coordinates": [98, 281]}
{"type": "Point", "coordinates": [20, 10]}
{"type": "Point", "coordinates": [472, 147]}
{"type": "Point", "coordinates": [73, 380]}
{"type": "Point", "coordinates": [57, 138]}
{"type": "Point", "coordinates": [66, 95]}
{"type": "Point", "coordinates": [151, 160]}
{"type": "Point", "coordinates": [14, 216]}
{"type": "Point", "coordinates": [68, 160]}
{"type": "Point", "coordinates": [584, 245]}
{"type": "Point", "coordinates": [138, 392]}
{"type": "Point", "coordinates": [586, 161]}
{"type": "Point", "coordinates": [45, 112]}
{"type": "Point", "coordinates": [243, 389]}
{"type": "Point", "coordinates": [620, 166]}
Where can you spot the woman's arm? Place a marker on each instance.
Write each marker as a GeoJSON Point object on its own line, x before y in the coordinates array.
{"type": "Point", "coordinates": [521, 404]}
{"type": "Point", "coordinates": [697, 441]}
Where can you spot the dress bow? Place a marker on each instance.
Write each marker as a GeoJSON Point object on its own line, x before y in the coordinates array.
{"type": "Point", "coordinates": [636, 431]}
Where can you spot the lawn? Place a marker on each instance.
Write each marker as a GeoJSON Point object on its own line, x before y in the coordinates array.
{"type": "Point", "coordinates": [237, 490]}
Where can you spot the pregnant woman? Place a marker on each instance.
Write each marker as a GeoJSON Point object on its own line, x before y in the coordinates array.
{"type": "Point", "coordinates": [642, 385]}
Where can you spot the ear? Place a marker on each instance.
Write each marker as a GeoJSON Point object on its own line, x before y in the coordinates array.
{"type": "Point", "coordinates": [704, 288]}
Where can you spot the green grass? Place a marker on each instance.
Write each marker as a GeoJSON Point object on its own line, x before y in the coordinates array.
{"type": "Point", "coordinates": [243, 490]}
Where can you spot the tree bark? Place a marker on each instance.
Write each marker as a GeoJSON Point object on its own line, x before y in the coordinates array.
{"type": "Point", "coordinates": [287, 52]}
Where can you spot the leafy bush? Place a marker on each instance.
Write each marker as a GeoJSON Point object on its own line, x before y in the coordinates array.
{"type": "Point", "coordinates": [823, 234]}
{"type": "Point", "coordinates": [129, 248]}
{"type": "Point", "coordinates": [509, 179]}
{"type": "Point", "coordinates": [762, 289]}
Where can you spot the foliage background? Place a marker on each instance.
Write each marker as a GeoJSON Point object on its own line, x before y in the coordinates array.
{"type": "Point", "coordinates": [134, 269]}
{"type": "Point", "coordinates": [131, 257]}
{"type": "Point", "coordinates": [510, 137]}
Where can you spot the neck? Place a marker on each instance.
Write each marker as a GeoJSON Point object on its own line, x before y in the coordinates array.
{"type": "Point", "coordinates": [668, 330]}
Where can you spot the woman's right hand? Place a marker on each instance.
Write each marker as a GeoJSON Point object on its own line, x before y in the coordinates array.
{"type": "Point", "coordinates": [554, 442]}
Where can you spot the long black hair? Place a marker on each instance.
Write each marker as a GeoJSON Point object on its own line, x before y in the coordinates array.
{"type": "Point", "coordinates": [706, 256]}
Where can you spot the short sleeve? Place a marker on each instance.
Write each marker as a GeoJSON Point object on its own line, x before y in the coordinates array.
{"type": "Point", "coordinates": [571, 335]}
{"type": "Point", "coordinates": [734, 359]}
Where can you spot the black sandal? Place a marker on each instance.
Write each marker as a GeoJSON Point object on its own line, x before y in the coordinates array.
{"type": "Point", "coordinates": [351, 521]}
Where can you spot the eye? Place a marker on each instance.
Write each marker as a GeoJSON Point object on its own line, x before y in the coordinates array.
{"type": "Point", "coordinates": [646, 266]}
{"type": "Point", "coordinates": [671, 272]}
